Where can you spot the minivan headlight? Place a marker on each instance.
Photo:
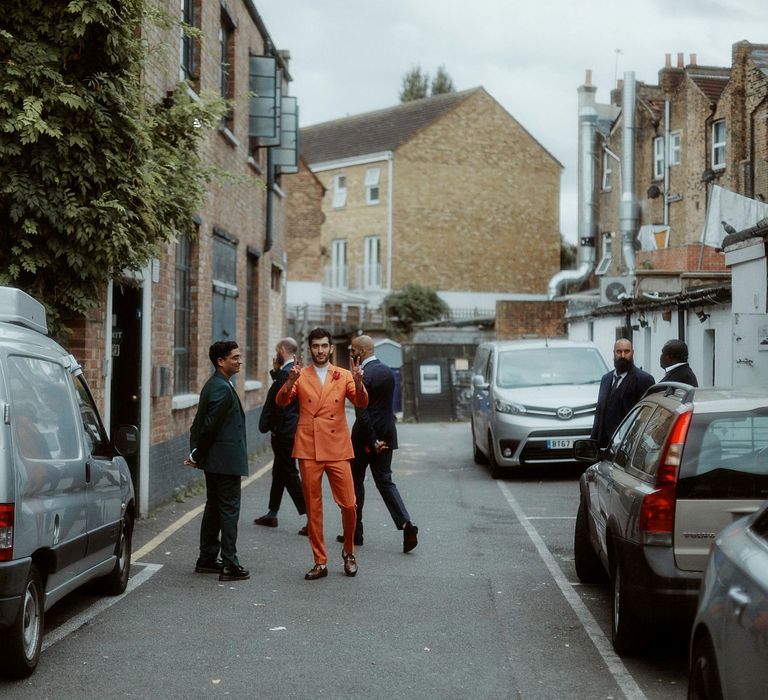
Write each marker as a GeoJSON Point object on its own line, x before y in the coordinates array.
{"type": "Point", "coordinates": [515, 409]}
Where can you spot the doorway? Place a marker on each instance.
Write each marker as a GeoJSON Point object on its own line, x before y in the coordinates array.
{"type": "Point", "coordinates": [125, 387]}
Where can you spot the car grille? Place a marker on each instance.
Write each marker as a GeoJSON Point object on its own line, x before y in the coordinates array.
{"type": "Point", "coordinates": [549, 412]}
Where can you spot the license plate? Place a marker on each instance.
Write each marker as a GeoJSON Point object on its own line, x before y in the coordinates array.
{"type": "Point", "coordinates": [559, 444]}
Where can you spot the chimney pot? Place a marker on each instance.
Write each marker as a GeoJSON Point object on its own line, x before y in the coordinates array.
{"type": "Point", "coordinates": [668, 60]}
{"type": "Point", "coordinates": [620, 84]}
{"type": "Point", "coordinates": [588, 77]}
{"type": "Point", "coordinates": [693, 59]}
{"type": "Point", "coordinates": [681, 60]}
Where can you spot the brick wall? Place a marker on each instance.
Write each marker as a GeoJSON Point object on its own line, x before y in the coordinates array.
{"type": "Point", "coordinates": [303, 224]}
{"type": "Point", "coordinates": [530, 319]}
{"type": "Point", "coordinates": [685, 257]}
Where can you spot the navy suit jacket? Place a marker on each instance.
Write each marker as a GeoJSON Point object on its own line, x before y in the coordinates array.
{"type": "Point", "coordinates": [377, 421]}
{"type": "Point", "coordinates": [217, 437]}
{"type": "Point", "coordinates": [683, 374]}
{"type": "Point", "coordinates": [281, 422]}
{"type": "Point", "coordinates": [627, 394]}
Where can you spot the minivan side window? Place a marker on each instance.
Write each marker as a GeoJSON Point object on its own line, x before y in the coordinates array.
{"type": "Point", "coordinates": [632, 437]}
{"type": "Point", "coordinates": [41, 409]}
{"type": "Point", "coordinates": [651, 440]}
{"type": "Point", "coordinates": [95, 435]}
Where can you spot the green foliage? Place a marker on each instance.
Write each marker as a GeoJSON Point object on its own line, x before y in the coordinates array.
{"type": "Point", "coordinates": [442, 82]}
{"type": "Point", "coordinates": [416, 84]}
{"type": "Point", "coordinates": [92, 177]}
{"type": "Point", "coordinates": [568, 254]}
{"type": "Point", "coordinates": [413, 304]}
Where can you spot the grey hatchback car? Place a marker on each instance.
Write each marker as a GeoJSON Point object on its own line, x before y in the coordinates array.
{"type": "Point", "coordinates": [682, 465]}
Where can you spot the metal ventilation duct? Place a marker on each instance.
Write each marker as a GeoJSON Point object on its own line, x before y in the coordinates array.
{"type": "Point", "coordinates": [629, 210]}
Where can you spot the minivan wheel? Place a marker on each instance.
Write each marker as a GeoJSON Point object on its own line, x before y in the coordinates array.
{"type": "Point", "coordinates": [25, 634]}
{"type": "Point", "coordinates": [477, 453]}
{"type": "Point", "coordinates": [628, 633]}
{"type": "Point", "coordinates": [115, 582]}
{"type": "Point", "coordinates": [704, 679]}
{"type": "Point", "coordinates": [589, 568]}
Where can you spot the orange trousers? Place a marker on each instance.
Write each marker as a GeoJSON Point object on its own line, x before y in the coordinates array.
{"type": "Point", "coordinates": [343, 490]}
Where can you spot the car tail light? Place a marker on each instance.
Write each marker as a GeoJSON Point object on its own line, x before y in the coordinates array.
{"type": "Point", "coordinates": [657, 512]}
{"type": "Point", "coordinates": [6, 531]}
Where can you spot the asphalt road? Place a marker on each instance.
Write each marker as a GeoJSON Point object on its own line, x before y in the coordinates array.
{"type": "Point", "coordinates": [485, 607]}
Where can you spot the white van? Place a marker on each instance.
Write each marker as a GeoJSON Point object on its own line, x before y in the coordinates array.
{"type": "Point", "coordinates": [66, 498]}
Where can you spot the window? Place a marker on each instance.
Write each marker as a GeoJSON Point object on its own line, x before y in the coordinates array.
{"type": "Point", "coordinates": [339, 264]}
{"type": "Point", "coordinates": [95, 435]}
{"type": "Point", "coordinates": [227, 65]}
{"type": "Point", "coordinates": [675, 143]}
{"type": "Point", "coordinates": [605, 185]}
{"type": "Point", "coordinates": [182, 317]}
{"type": "Point", "coordinates": [633, 435]}
{"type": "Point", "coordinates": [339, 191]}
{"type": "Point", "coordinates": [651, 441]}
{"type": "Point", "coordinates": [225, 290]}
{"type": "Point", "coordinates": [277, 279]}
{"type": "Point", "coordinates": [658, 158]}
{"type": "Point", "coordinates": [718, 144]}
{"type": "Point", "coordinates": [607, 257]}
{"type": "Point", "coordinates": [187, 42]}
{"type": "Point", "coordinates": [372, 185]}
{"type": "Point", "coordinates": [371, 264]}
{"type": "Point", "coordinates": [621, 431]}
{"type": "Point", "coordinates": [252, 317]}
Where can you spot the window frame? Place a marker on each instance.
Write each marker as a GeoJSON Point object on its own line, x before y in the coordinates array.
{"type": "Point", "coordinates": [675, 147]}
{"type": "Point", "coordinates": [718, 153]}
{"type": "Point", "coordinates": [339, 191]}
{"type": "Point", "coordinates": [372, 184]}
{"type": "Point", "coordinates": [223, 289]}
{"type": "Point", "coordinates": [658, 158]}
{"type": "Point", "coordinates": [187, 47]}
{"type": "Point", "coordinates": [371, 262]}
{"type": "Point", "coordinates": [182, 317]}
{"type": "Point", "coordinates": [252, 317]}
{"type": "Point", "coordinates": [339, 265]}
{"type": "Point", "coordinates": [227, 66]}
{"type": "Point", "coordinates": [606, 184]}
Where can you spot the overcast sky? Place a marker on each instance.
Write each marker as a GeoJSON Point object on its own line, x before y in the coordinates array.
{"type": "Point", "coordinates": [349, 56]}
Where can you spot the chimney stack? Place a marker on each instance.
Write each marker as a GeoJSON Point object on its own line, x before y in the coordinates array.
{"type": "Point", "coordinates": [681, 60]}
{"type": "Point", "coordinates": [667, 60]}
{"type": "Point", "coordinates": [693, 59]}
{"type": "Point", "coordinates": [588, 77]}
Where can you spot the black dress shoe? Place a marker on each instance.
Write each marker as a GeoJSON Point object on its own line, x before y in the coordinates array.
{"type": "Point", "coordinates": [208, 567]}
{"type": "Point", "coordinates": [317, 571]}
{"type": "Point", "coordinates": [410, 539]}
{"type": "Point", "coordinates": [357, 539]}
{"type": "Point", "coordinates": [304, 531]}
{"type": "Point", "coordinates": [234, 573]}
{"type": "Point", "coordinates": [350, 564]}
{"type": "Point", "coordinates": [266, 521]}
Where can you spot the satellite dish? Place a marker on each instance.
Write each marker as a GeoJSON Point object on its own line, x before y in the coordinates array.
{"type": "Point", "coordinates": [615, 291]}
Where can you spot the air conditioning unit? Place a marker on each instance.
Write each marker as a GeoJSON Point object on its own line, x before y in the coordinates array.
{"type": "Point", "coordinates": [613, 290]}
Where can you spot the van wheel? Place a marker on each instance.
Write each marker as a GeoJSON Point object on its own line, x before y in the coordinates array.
{"type": "Point", "coordinates": [21, 651]}
{"type": "Point", "coordinates": [628, 633]}
{"type": "Point", "coordinates": [589, 568]}
{"type": "Point", "coordinates": [497, 472]}
{"type": "Point", "coordinates": [477, 453]}
{"type": "Point", "coordinates": [115, 582]}
{"type": "Point", "coordinates": [704, 679]}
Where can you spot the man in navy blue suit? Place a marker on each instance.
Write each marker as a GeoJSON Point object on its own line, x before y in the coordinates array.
{"type": "Point", "coordinates": [674, 362]}
{"type": "Point", "coordinates": [620, 390]}
{"type": "Point", "coordinates": [374, 437]}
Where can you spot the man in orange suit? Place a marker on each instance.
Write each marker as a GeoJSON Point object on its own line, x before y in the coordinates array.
{"type": "Point", "coordinates": [322, 443]}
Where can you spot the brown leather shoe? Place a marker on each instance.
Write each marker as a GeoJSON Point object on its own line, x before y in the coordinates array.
{"type": "Point", "coordinates": [350, 565]}
{"type": "Point", "coordinates": [317, 571]}
{"type": "Point", "coordinates": [410, 539]}
{"type": "Point", "coordinates": [304, 531]}
{"type": "Point", "coordinates": [266, 521]}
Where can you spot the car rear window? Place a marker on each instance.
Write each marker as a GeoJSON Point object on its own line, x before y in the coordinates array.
{"type": "Point", "coordinates": [549, 366]}
{"type": "Point", "coordinates": [725, 456]}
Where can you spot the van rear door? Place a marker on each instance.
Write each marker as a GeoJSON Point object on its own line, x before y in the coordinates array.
{"type": "Point", "coordinates": [723, 476]}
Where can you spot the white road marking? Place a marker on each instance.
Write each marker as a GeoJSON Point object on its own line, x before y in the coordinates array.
{"type": "Point", "coordinates": [615, 665]}
{"type": "Point", "coordinates": [158, 539]}
{"type": "Point", "coordinates": [76, 622]}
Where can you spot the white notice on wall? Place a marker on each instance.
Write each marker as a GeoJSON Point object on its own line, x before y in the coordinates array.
{"type": "Point", "coordinates": [430, 379]}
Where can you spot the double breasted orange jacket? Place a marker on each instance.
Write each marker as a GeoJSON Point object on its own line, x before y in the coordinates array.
{"type": "Point", "coordinates": [322, 433]}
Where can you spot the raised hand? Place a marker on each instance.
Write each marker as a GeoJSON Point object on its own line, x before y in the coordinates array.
{"type": "Point", "coordinates": [295, 371]}
{"type": "Point", "coordinates": [356, 367]}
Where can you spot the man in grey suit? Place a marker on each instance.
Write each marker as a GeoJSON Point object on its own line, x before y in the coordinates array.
{"type": "Point", "coordinates": [217, 441]}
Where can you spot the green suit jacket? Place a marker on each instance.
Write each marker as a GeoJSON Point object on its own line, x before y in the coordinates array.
{"type": "Point", "coordinates": [217, 439]}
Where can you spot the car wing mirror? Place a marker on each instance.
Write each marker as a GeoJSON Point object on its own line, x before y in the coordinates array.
{"type": "Point", "coordinates": [478, 381]}
{"type": "Point", "coordinates": [125, 440]}
{"type": "Point", "coordinates": [587, 451]}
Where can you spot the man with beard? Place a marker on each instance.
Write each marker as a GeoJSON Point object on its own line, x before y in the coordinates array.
{"type": "Point", "coordinates": [322, 443]}
{"type": "Point", "coordinates": [620, 389]}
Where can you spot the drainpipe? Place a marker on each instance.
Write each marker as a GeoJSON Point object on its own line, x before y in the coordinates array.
{"type": "Point", "coordinates": [270, 201]}
{"type": "Point", "coordinates": [390, 189]}
{"type": "Point", "coordinates": [628, 209]}
{"type": "Point", "coordinates": [587, 192]}
{"type": "Point", "coordinates": [666, 159]}
{"type": "Point", "coordinates": [145, 423]}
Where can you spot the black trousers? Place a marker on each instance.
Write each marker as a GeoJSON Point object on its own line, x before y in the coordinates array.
{"type": "Point", "coordinates": [285, 476]}
{"type": "Point", "coordinates": [381, 470]}
{"type": "Point", "coordinates": [218, 529]}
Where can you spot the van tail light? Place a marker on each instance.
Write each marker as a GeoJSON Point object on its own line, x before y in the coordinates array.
{"type": "Point", "coordinates": [6, 531]}
{"type": "Point", "coordinates": [657, 512]}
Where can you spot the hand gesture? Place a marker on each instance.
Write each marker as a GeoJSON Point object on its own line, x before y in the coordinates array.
{"type": "Point", "coordinates": [380, 446]}
{"type": "Point", "coordinates": [295, 371]}
{"type": "Point", "coordinates": [356, 367]}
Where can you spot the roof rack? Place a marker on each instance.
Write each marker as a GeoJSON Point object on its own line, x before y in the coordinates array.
{"type": "Point", "coordinates": [20, 308]}
{"type": "Point", "coordinates": [686, 391]}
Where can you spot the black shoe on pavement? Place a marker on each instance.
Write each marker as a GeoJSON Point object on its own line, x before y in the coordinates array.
{"type": "Point", "coordinates": [304, 531]}
{"type": "Point", "coordinates": [266, 521]}
{"type": "Point", "coordinates": [208, 567]}
{"type": "Point", "coordinates": [234, 573]}
{"type": "Point", "coordinates": [357, 539]}
{"type": "Point", "coordinates": [410, 539]}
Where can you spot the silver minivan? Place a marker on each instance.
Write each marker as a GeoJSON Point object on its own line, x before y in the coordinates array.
{"type": "Point", "coordinates": [66, 498]}
{"type": "Point", "coordinates": [532, 399]}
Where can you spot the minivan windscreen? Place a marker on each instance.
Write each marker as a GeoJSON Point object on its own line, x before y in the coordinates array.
{"type": "Point", "coordinates": [725, 456]}
{"type": "Point", "coordinates": [549, 366]}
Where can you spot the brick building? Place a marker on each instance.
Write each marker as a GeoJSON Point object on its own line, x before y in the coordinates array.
{"type": "Point", "coordinates": [146, 351]}
{"type": "Point", "coordinates": [449, 191]}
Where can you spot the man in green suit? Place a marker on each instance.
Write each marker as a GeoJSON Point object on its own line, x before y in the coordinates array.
{"type": "Point", "coordinates": [218, 446]}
